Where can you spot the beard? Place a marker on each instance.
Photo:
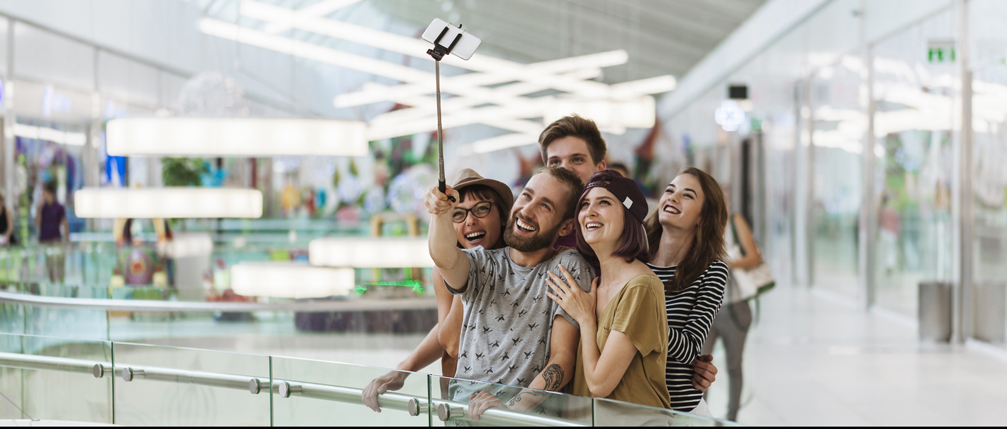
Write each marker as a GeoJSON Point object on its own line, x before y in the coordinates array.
{"type": "Point", "coordinates": [538, 241]}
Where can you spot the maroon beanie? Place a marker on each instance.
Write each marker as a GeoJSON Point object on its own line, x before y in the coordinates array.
{"type": "Point", "coordinates": [627, 191]}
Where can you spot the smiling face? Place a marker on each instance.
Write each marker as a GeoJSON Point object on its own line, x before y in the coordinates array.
{"type": "Point", "coordinates": [601, 218]}
{"type": "Point", "coordinates": [537, 217]}
{"type": "Point", "coordinates": [572, 153]}
{"type": "Point", "coordinates": [682, 203]}
{"type": "Point", "coordinates": [475, 231]}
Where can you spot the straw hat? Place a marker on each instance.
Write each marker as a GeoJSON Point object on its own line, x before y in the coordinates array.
{"type": "Point", "coordinates": [468, 177]}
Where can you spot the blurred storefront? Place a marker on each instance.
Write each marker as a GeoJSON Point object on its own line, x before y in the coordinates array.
{"type": "Point", "coordinates": [870, 187]}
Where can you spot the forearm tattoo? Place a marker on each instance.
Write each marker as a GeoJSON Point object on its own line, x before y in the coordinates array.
{"type": "Point", "coordinates": [534, 393]}
{"type": "Point", "coordinates": [553, 376]}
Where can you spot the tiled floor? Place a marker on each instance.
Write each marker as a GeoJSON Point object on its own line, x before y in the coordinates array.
{"type": "Point", "coordinates": [814, 359]}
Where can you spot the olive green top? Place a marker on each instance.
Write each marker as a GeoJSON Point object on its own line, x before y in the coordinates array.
{"type": "Point", "coordinates": [637, 311]}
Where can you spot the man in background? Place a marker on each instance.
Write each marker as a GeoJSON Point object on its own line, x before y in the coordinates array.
{"type": "Point", "coordinates": [50, 219]}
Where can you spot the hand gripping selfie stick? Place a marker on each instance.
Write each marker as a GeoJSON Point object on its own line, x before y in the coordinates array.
{"type": "Point", "coordinates": [462, 45]}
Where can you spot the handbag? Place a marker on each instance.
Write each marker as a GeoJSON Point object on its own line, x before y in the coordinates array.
{"type": "Point", "coordinates": [750, 282]}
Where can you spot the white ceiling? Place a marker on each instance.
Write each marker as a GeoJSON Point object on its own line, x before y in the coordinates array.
{"type": "Point", "coordinates": [661, 36]}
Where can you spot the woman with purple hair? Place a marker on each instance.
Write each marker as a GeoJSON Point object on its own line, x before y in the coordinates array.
{"type": "Point", "coordinates": [623, 348]}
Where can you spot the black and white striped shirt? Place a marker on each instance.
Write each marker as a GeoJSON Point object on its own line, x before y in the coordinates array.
{"type": "Point", "coordinates": [690, 314]}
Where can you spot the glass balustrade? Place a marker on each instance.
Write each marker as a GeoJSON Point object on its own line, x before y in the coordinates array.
{"type": "Point", "coordinates": [615, 413]}
{"type": "Point", "coordinates": [523, 407]}
{"type": "Point", "coordinates": [316, 393]}
{"type": "Point", "coordinates": [167, 386]}
{"type": "Point", "coordinates": [158, 334]}
{"type": "Point", "coordinates": [72, 380]}
{"type": "Point", "coordinates": [55, 379]}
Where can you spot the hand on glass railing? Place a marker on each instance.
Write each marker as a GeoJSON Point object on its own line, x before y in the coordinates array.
{"type": "Point", "coordinates": [392, 381]}
{"type": "Point", "coordinates": [706, 373]}
{"type": "Point", "coordinates": [482, 401]}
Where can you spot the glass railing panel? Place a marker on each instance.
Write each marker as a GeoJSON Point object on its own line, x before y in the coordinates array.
{"type": "Point", "coordinates": [61, 321]}
{"type": "Point", "coordinates": [363, 331]}
{"type": "Point", "coordinates": [316, 393]}
{"type": "Point", "coordinates": [12, 316]}
{"type": "Point", "coordinates": [219, 330]}
{"type": "Point", "coordinates": [46, 378]}
{"type": "Point", "coordinates": [520, 406]}
{"type": "Point", "coordinates": [608, 412]}
{"type": "Point", "coordinates": [188, 387]}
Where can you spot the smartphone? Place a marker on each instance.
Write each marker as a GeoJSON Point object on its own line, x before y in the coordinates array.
{"type": "Point", "coordinates": [465, 47]}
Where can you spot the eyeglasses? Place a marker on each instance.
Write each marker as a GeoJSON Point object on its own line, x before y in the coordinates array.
{"type": "Point", "coordinates": [479, 210]}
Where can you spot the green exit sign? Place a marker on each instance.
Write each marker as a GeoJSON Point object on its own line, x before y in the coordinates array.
{"type": "Point", "coordinates": [941, 51]}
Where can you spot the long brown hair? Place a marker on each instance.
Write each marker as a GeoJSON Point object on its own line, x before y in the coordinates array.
{"type": "Point", "coordinates": [707, 244]}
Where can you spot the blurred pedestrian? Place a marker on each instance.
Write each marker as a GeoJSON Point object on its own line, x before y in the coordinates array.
{"type": "Point", "coordinates": [7, 237]}
{"type": "Point", "coordinates": [621, 168]}
{"type": "Point", "coordinates": [735, 316]}
{"type": "Point", "coordinates": [50, 218]}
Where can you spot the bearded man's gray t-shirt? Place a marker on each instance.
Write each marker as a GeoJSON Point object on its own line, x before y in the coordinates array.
{"type": "Point", "coordinates": [507, 324]}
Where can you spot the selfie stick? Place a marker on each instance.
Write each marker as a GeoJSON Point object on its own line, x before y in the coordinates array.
{"type": "Point", "coordinates": [438, 52]}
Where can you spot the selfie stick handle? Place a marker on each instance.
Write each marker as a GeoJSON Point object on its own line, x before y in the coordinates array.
{"type": "Point", "coordinates": [441, 184]}
{"type": "Point", "coordinates": [438, 52]}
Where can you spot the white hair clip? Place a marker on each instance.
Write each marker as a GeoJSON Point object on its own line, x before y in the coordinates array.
{"type": "Point", "coordinates": [628, 203]}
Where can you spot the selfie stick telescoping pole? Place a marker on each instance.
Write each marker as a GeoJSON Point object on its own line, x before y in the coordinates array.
{"type": "Point", "coordinates": [438, 52]}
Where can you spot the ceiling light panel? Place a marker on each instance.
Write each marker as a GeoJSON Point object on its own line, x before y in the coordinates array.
{"type": "Point", "coordinates": [290, 280]}
{"type": "Point", "coordinates": [370, 252]}
{"type": "Point", "coordinates": [235, 137]}
{"type": "Point", "coordinates": [113, 203]}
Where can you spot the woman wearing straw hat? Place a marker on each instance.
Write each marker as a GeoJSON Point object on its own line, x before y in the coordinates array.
{"type": "Point", "coordinates": [478, 221]}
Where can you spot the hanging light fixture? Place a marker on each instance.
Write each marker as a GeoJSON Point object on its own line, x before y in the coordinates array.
{"type": "Point", "coordinates": [370, 252]}
{"type": "Point", "coordinates": [290, 280]}
{"type": "Point", "coordinates": [168, 203]}
{"type": "Point", "coordinates": [235, 137]}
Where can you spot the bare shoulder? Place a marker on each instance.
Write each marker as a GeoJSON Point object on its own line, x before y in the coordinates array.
{"type": "Point", "coordinates": [740, 222]}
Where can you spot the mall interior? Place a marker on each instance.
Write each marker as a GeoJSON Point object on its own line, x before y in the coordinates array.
{"type": "Point", "coordinates": [214, 210]}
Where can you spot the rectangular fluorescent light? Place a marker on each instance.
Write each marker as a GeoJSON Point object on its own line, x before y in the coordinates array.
{"type": "Point", "coordinates": [49, 134]}
{"type": "Point", "coordinates": [417, 48]}
{"type": "Point", "coordinates": [311, 51]}
{"type": "Point", "coordinates": [235, 137]}
{"type": "Point", "coordinates": [290, 280]}
{"type": "Point", "coordinates": [635, 88]}
{"type": "Point", "coordinates": [423, 105]}
{"type": "Point", "coordinates": [502, 70]}
{"type": "Point", "coordinates": [370, 252]}
{"type": "Point", "coordinates": [460, 83]}
{"type": "Point", "coordinates": [525, 108]}
{"type": "Point", "coordinates": [319, 9]}
{"type": "Point", "coordinates": [639, 112]}
{"type": "Point", "coordinates": [492, 144]}
{"type": "Point", "coordinates": [168, 203]}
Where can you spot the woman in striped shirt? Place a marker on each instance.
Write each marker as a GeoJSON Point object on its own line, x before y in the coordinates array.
{"type": "Point", "coordinates": [686, 236]}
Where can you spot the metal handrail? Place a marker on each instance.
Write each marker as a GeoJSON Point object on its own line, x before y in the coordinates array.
{"type": "Point", "coordinates": [236, 307]}
{"type": "Point", "coordinates": [201, 378]}
{"type": "Point", "coordinates": [414, 405]}
{"type": "Point", "coordinates": [50, 363]}
{"type": "Point", "coordinates": [448, 410]}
